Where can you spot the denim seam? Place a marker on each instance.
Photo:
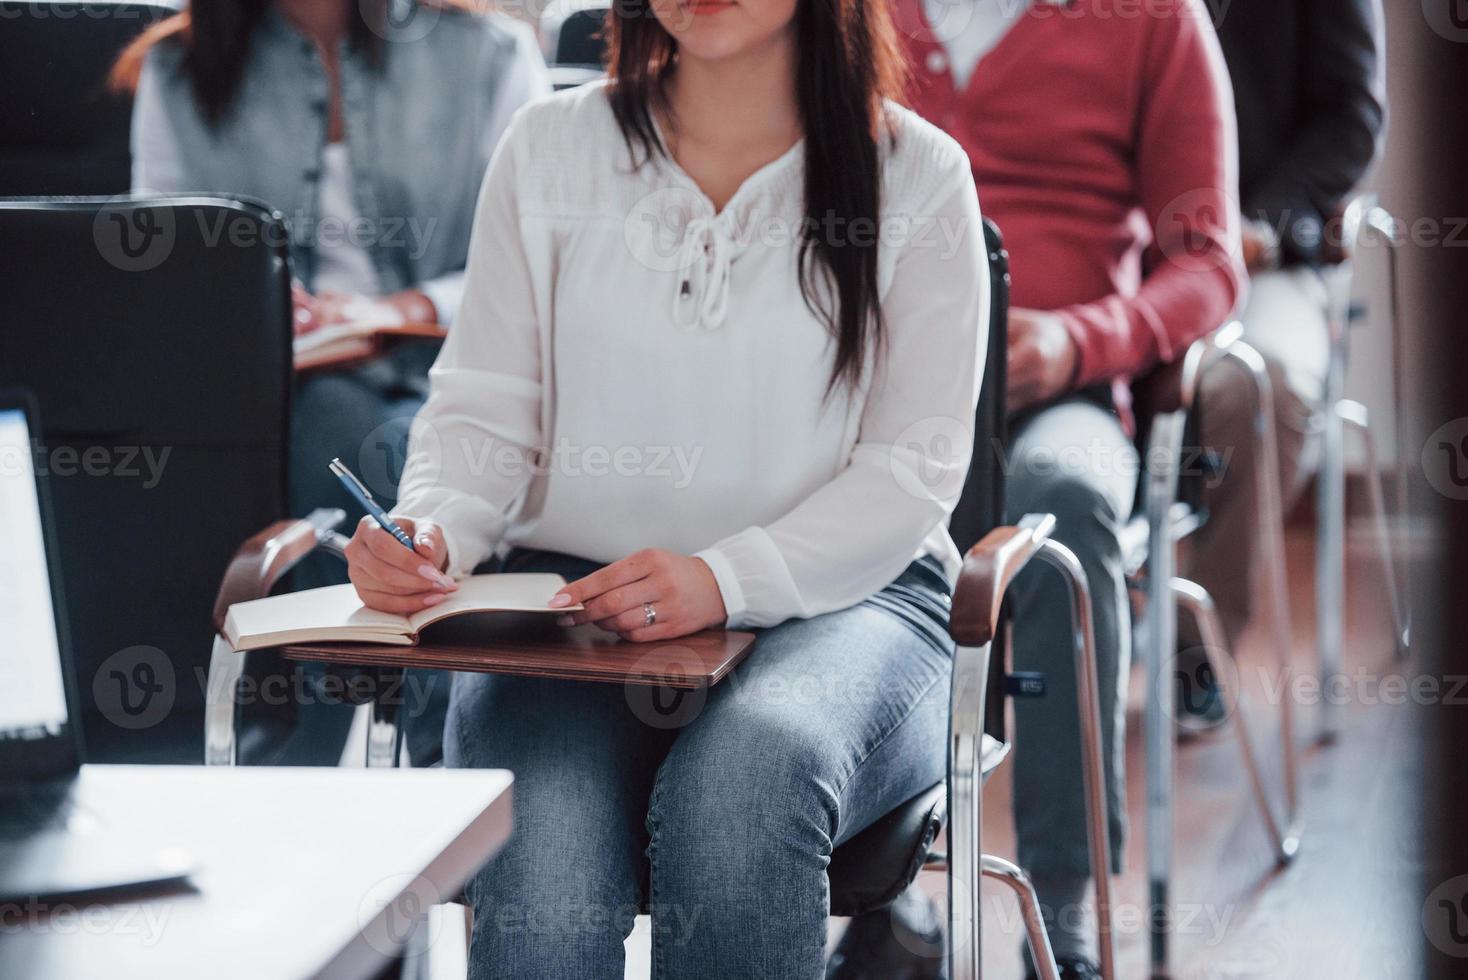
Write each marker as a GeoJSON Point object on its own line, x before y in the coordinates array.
{"type": "Point", "coordinates": [654, 831]}
{"type": "Point", "coordinates": [469, 889]}
{"type": "Point", "coordinates": [841, 792]}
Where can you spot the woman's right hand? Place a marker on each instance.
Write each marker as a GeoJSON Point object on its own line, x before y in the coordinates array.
{"type": "Point", "coordinates": [391, 578]}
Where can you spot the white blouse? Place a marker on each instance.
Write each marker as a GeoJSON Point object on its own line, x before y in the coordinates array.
{"type": "Point", "coordinates": [631, 369]}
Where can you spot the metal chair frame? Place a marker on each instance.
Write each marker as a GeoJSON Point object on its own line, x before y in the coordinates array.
{"type": "Point", "coordinates": [1363, 220]}
{"type": "Point", "coordinates": [1151, 562]}
{"type": "Point", "coordinates": [971, 753]}
{"type": "Point", "coordinates": [971, 670]}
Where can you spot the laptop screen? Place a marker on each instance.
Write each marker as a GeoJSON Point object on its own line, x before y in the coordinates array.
{"type": "Point", "coordinates": [33, 704]}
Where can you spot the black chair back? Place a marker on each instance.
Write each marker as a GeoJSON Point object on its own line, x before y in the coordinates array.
{"type": "Point", "coordinates": [156, 335]}
{"type": "Point", "coordinates": [61, 130]}
{"type": "Point", "coordinates": [871, 869]}
{"type": "Point", "coordinates": [580, 40]}
{"type": "Point", "coordinates": [981, 506]}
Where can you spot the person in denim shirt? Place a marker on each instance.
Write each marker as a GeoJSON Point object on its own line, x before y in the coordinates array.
{"type": "Point", "coordinates": [370, 126]}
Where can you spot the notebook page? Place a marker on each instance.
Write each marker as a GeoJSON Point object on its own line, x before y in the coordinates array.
{"type": "Point", "coordinates": [330, 608]}
{"type": "Point", "coordinates": [512, 592]}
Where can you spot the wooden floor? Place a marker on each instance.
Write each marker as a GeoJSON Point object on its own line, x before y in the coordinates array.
{"type": "Point", "coordinates": [1348, 907]}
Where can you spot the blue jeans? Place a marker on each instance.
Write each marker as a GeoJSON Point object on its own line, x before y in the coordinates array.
{"type": "Point", "coordinates": [719, 811]}
{"type": "Point", "coordinates": [1071, 459]}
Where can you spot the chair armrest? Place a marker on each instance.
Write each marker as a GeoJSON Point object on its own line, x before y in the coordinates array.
{"type": "Point", "coordinates": [262, 560]}
{"type": "Point", "coordinates": [988, 569]}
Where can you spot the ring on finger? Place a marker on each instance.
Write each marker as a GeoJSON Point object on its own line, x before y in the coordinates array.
{"type": "Point", "coordinates": [649, 614]}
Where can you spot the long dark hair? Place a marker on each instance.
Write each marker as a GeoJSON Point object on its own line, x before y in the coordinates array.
{"type": "Point", "coordinates": [848, 63]}
{"type": "Point", "coordinates": [216, 37]}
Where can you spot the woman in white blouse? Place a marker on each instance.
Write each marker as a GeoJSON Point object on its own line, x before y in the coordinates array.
{"type": "Point", "coordinates": [716, 361]}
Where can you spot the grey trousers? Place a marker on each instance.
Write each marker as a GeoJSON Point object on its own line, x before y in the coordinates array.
{"type": "Point", "coordinates": [1073, 460]}
{"type": "Point", "coordinates": [1285, 321]}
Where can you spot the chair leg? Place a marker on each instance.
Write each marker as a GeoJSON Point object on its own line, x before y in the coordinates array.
{"type": "Point", "coordinates": [1276, 580]}
{"type": "Point", "coordinates": [226, 667]}
{"type": "Point", "coordinates": [1330, 558]}
{"type": "Point", "coordinates": [1088, 696]}
{"type": "Point", "coordinates": [1029, 904]}
{"type": "Point", "coordinates": [384, 732]}
{"type": "Point", "coordinates": [1354, 414]}
{"type": "Point", "coordinates": [1158, 649]}
{"type": "Point", "coordinates": [1195, 599]}
{"type": "Point", "coordinates": [965, 745]}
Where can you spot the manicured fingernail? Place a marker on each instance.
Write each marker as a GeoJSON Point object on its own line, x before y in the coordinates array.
{"type": "Point", "coordinates": [565, 621]}
{"type": "Point", "coordinates": [432, 574]}
{"type": "Point", "coordinates": [433, 600]}
{"type": "Point", "coordinates": [559, 600]}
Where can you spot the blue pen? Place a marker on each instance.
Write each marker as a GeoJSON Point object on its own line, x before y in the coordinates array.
{"type": "Point", "coordinates": [364, 497]}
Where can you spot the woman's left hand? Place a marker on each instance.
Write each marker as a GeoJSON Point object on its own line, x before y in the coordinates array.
{"type": "Point", "coordinates": [681, 590]}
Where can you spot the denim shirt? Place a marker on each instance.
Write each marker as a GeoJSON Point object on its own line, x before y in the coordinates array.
{"type": "Point", "coordinates": [420, 130]}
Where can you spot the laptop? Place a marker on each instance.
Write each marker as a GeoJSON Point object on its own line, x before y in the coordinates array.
{"type": "Point", "coordinates": [54, 840]}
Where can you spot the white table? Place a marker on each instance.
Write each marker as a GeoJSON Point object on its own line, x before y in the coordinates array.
{"type": "Point", "coordinates": [302, 872]}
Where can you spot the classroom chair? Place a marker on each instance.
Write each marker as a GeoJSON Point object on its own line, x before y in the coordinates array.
{"type": "Point", "coordinates": [1363, 223]}
{"type": "Point", "coordinates": [156, 335]}
{"type": "Point", "coordinates": [874, 867]}
{"type": "Point", "coordinates": [1169, 410]}
{"type": "Point", "coordinates": [574, 42]}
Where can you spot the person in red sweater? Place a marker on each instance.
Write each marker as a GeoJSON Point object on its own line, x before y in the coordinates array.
{"type": "Point", "coordinates": [1101, 134]}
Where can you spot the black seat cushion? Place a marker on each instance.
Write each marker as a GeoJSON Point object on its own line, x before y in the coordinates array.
{"type": "Point", "coordinates": [872, 869]}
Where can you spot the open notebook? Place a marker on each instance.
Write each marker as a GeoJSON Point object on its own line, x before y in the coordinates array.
{"type": "Point", "coordinates": [335, 614]}
{"type": "Point", "coordinates": [344, 343]}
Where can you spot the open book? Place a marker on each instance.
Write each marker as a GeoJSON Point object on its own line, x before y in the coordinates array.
{"type": "Point", "coordinates": [344, 343]}
{"type": "Point", "coordinates": [335, 614]}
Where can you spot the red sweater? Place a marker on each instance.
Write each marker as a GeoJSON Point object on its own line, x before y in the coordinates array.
{"type": "Point", "coordinates": [1102, 141]}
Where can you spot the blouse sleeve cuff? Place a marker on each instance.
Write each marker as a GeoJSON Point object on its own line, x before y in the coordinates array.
{"type": "Point", "coordinates": [729, 588]}
{"type": "Point", "coordinates": [754, 579]}
{"type": "Point", "coordinates": [469, 534]}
